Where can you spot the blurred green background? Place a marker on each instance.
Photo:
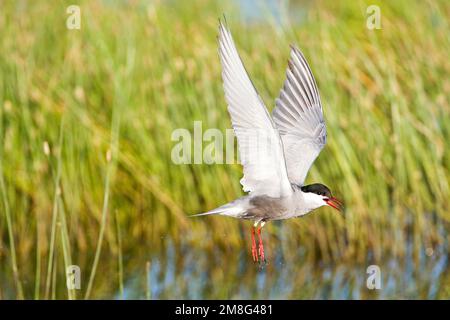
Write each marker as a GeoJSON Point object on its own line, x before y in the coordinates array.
{"type": "Point", "coordinates": [86, 175]}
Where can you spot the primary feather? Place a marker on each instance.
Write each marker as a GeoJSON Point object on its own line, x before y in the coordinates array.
{"type": "Point", "coordinates": [299, 118]}
{"type": "Point", "coordinates": [260, 146]}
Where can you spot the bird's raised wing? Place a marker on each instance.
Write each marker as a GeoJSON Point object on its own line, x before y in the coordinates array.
{"type": "Point", "coordinates": [299, 118]}
{"type": "Point", "coordinates": [260, 147]}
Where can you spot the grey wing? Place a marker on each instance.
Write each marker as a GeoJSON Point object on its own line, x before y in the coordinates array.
{"type": "Point", "coordinates": [260, 147]}
{"type": "Point", "coordinates": [299, 118]}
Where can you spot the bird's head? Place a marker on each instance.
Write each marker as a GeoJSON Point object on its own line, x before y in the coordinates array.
{"type": "Point", "coordinates": [319, 195]}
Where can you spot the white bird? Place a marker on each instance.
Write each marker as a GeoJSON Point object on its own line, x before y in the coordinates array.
{"type": "Point", "coordinates": [276, 151]}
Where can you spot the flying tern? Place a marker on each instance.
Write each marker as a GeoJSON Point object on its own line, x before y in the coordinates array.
{"type": "Point", "coordinates": [276, 151]}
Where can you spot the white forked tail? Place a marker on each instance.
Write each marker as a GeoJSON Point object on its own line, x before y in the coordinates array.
{"type": "Point", "coordinates": [229, 209]}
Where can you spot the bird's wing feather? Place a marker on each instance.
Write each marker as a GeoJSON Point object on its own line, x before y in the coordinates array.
{"type": "Point", "coordinates": [260, 147]}
{"type": "Point", "coordinates": [299, 118]}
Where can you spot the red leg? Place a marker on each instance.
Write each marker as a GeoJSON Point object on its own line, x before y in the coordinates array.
{"type": "Point", "coordinates": [254, 253]}
{"type": "Point", "coordinates": [261, 246]}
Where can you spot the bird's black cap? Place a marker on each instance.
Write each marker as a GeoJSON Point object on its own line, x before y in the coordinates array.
{"type": "Point", "coordinates": [318, 188]}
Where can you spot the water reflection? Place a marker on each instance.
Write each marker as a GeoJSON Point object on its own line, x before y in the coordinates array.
{"type": "Point", "coordinates": [190, 273]}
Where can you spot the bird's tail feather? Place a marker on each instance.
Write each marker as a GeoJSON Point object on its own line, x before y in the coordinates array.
{"type": "Point", "coordinates": [202, 214]}
{"type": "Point", "coordinates": [229, 209]}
